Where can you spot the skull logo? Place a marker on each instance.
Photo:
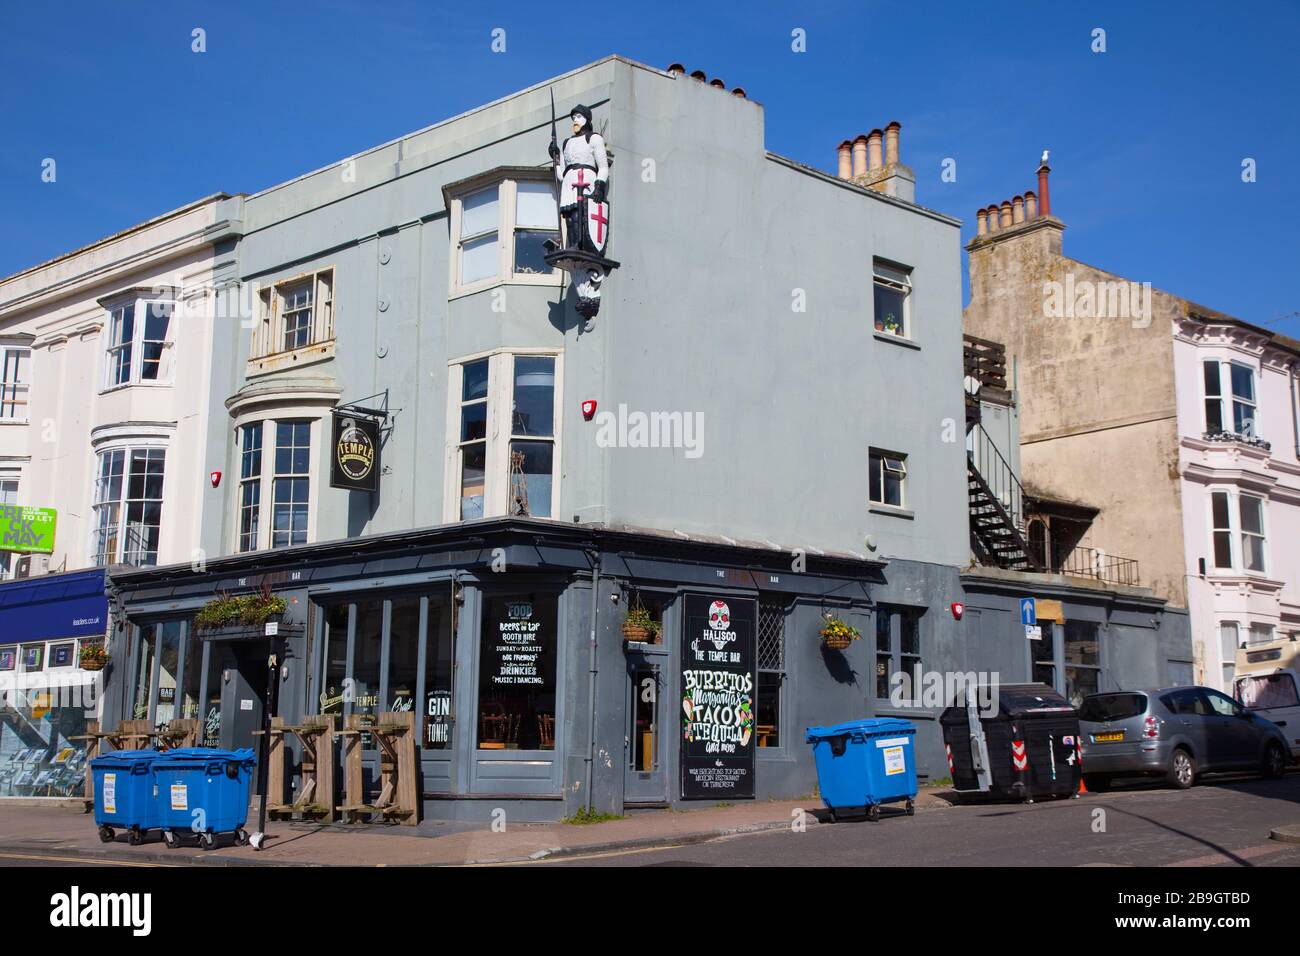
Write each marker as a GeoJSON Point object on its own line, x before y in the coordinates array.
{"type": "Point", "coordinates": [719, 616]}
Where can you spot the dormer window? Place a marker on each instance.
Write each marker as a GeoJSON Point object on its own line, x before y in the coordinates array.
{"type": "Point", "coordinates": [499, 227]}
{"type": "Point", "coordinates": [138, 342]}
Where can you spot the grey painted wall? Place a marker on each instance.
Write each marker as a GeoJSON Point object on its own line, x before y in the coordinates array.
{"type": "Point", "coordinates": [698, 319]}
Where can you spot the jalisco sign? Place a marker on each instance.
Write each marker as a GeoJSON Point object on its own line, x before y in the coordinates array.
{"type": "Point", "coordinates": [717, 693]}
{"type": "Point", "coordinates": [27, 530]}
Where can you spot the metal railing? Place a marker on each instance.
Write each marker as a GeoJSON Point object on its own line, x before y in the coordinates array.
{"type": "Point", "coordinates": [1096, 563]}
{"type": "Point", "coordinates": [997, 474]}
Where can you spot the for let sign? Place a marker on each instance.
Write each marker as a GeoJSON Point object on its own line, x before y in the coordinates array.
{"type": "Point", "coordinates": [27, 530]}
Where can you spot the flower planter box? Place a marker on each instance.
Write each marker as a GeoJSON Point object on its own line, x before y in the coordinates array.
{"type": "Point", "coordinates": [245, 632]}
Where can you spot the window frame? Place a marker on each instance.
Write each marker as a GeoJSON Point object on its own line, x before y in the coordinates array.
{"type": "Point", "coordinates": [138, 306]}
{"type": "Point", "coordinates": [1228, 530]}
{"type": "Point", "coordinates": [265, 480]}
{"type": "Point", "coordinates": [499, 431]}
{"type": "Point", "coordinates": [897, 277]}
{"type": "Point", "coordinates": [266, 347]}
{"type": "Point", "coordinates": [877, 465]}
{"type": "Point", "coordinates": [895, 659]}
{"type": "Point", "coordinates": [10, 392]}
{"type": "Point", "coordinates": [507, 186]}
{"type": "Point", "coordinates": [1227, 400]}
{"type": "Point", "coordinates": [1246, 536]}
{"type": "Point", "coordinates": [97, 557]}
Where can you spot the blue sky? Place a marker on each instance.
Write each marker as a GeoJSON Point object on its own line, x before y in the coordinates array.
{"type": "Point", "coordinates": [1147, 138]}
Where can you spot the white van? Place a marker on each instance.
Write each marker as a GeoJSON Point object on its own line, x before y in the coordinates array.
{"type": "Point", "coordinates": [1267, 684]}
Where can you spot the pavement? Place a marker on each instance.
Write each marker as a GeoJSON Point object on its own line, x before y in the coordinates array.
{"type": "Point", "coordinates": [62, 833]}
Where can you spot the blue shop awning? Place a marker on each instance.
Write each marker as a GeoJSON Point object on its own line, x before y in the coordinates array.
{"type": "Point", "coordinates": [56, 605]}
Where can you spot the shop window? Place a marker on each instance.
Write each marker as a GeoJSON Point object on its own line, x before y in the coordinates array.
{"type": "Point", "coordinates": [42, 725]}
{"type": "Point", "coordinates": [439, 665]}
{"type": "Point", "coordinates": [144, 671]}
{"type": "Point", "coordinates": [15, 382]}
{"type": "Point", "coordinates": [771, 672]}
{"type": "Point", "coordinates": [191, 676]}
{"type": "Point", "coordinates": [169, 656]}
{"type": "Point", "coordinates": [517, 673]}
{"type": "Point", "coordinates": [884, 653]}
{"type": "Point", "coordinates": [336, 661]}
{"type": "Point", "coordinates": [33, 658]}
{"type": "Point", "coordinates": [8, 658]}
{"type": "Point", "coordinates": [403, 654]}
{"type": "Point", "coordinates": [1082, 660]}
{"type": "Point", "coordinates": [367, 649]}
{"type": "Point", "coordinates": [128, 501]}
{"type": "Point", "coordinates": [504, 456]}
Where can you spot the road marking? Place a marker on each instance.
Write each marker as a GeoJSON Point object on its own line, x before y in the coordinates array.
{"type": "Point", "coordinates": [77, 859]}
{"type": "Point", "coordinates": [565, 858]}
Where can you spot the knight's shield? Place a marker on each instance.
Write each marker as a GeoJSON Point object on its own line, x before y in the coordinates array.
{"type": "Point", "coordinates": [598, 225]}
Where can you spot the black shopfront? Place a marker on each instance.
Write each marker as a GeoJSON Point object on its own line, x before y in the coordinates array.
{"type": "Point", "coordinates": [500, 667]}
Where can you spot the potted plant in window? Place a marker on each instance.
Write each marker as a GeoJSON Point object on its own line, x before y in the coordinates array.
{"type": "Point", "coordinates": [93, 657]}
{"type": "Point", "coordinates": [240, 611]}
{"type": "Point", "coordinates": [836, 634]}
{"type": "Point", "coordinates": [640, 627]}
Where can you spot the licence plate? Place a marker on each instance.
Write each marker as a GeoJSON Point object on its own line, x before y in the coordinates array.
{"type": "Point", "coordinates": [1106, 738]}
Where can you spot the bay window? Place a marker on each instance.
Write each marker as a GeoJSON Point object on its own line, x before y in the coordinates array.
{"type": "Point", "coordinates": [1231, 409]}
{"type": "Point", "coordinates": [275, 479]}
{"type": "Point", "coordinates": [127, 506]}
{"type": "Point", "coordinates": [1247, 532]}
{"type": "Point", "coordinates": [503, 430]}
{"type": "Point", "coordinates": [15, 382]}
{"type": "Point", "coordinates": [137, 342]}
{"type": "Point", "coordinates": [297, 314]}
{"type": "Point", "coordinates": [499, 232]}
{"type": "Point", "coordinates": [1251, 510]}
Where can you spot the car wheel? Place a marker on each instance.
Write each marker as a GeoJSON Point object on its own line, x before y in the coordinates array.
{"type": "Point", "coordinates": [1096, 782]}
{"type": "Point", "coordinates": [1182, 770]}
{"type": "Point", "coordinates": [1274, 760]}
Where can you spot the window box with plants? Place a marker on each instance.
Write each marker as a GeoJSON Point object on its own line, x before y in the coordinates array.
{"type": "Point", "coordinates": [239, 615]}
{"type": "Point", "coordinates": [639, 627]}
{"type": "Point", "coordinates": [836, 634]}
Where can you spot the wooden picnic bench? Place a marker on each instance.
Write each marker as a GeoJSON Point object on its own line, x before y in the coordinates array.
{"type": "Point", "coordinates": [394, 737]}
{"type": "Point", "coordinates": [315, 798]}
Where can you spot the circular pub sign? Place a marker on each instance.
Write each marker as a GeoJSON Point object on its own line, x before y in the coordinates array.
{"type": "Point", "coordinates": [355, 454]}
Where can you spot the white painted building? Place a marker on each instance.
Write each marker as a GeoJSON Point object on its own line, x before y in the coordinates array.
{"type": "Point", "coordinates": [105, 392]}
{"type": "Point", "coordinates": [1239, 464]}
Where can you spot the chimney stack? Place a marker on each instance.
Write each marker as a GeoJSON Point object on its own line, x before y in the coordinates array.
{"type": "Point", "coordinates": [891, 143]}
{"type": "Point", "coordinates": [873, 152]}
{"type": "Point", "coordinates": [846, 160]}
{"type": "Point", "coordinates": [1044, 199]}
{"type": "Point", "coordinates": [859, 157]}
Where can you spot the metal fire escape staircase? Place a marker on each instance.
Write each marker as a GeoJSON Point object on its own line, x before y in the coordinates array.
{"type": "Point", "coordinates": [995, 496]}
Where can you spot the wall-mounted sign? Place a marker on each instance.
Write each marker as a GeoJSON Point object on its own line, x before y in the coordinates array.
{"type": "Point", "coordinates": [717, 697]}
{"type": "Point", "coordinates": [27, 530]}
{"type": "Point", "coordinates": [354, 458]}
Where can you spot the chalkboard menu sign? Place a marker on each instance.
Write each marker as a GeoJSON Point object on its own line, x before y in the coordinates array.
{"type": "Point", "coordinates": [717, 694]}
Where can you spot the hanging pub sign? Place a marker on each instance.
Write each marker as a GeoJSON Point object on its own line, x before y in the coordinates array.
{"type": "Point", "coordinates": [354, 461]}
{"type": "Point", "coordinates": [717, 694]}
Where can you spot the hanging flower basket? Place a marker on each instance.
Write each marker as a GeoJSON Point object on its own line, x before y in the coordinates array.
{"type": "Point", "coordinates": [837, 635]}
{"type": "Point", "coordinates": [639, 627]}
{"type": "Point", "coordinates": [93, 657]}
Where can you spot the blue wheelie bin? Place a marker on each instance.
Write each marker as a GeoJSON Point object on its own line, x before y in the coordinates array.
{"type": "Point", "coordinates": [865, 763]}
{"type": "Point", "coordinates": [204, 792]}
{"type": "Point", "coordinates": [124, 794]}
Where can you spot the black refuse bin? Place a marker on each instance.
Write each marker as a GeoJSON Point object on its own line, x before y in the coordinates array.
{"type": "Point", "coordinates": [1025, 747]}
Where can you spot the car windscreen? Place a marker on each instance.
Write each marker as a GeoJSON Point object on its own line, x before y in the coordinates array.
{"type": "Point", "coordinates": [1102, 707]}
{"type": "Point", "coordinates": [1267, 690]}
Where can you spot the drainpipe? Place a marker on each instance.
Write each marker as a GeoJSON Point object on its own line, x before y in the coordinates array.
{"type": "Point", "coordinates": [1295, 420]}
{"type": "Point", "coordinates": [594, 555]}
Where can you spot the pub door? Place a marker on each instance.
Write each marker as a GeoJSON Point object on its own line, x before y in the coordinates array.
{"type": "Point", "coordinates": [644, 744]}
{"type": "Point", "coordinates": [243, 675]}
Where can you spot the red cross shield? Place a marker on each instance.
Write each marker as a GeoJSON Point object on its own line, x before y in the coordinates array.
{"type": "Point", "coordinates": [598, 224]}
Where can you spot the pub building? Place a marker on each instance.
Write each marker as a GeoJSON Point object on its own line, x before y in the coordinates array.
{"type": "Point", "coordinates": [570, 428]}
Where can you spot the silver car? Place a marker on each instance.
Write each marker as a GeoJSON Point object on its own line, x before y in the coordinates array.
{"type": "Point", "coordinates": [1174, 732]}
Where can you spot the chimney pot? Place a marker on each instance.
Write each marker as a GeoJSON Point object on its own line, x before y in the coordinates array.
{"type": "Point", "coordinates": [698, 75]}
{"type": "Point", "coordinates": [993, 218]}
{"type": "Point", "coordinates": [891, 143]}
{"type": "Point", "coordinates": [739, 91]}
{"type": "Point", "coordinates": [845, 152]}
{"type": "Point", "coordinates": [1044, 198]}
{"type": "Point", "coordinates": [1005, 220]}
{"type": "Point", "coordinates": [718, 83]}
{"type": "Point", "coordinates": [859, 157]}
{"type": "Point", "coordinates": [1018, 209]}
{"type": "Point", "coordinates": [676, 68]}
{"type": "Point", "coordinates": [1031, 204]}
{"type": "Point", "coordinates": [873, 149]}
{"type": "Point", "coordinates": [982, 222]}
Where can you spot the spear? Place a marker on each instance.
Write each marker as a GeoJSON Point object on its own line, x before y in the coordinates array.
{"type": "Point", "coordinates": [556, 161]}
